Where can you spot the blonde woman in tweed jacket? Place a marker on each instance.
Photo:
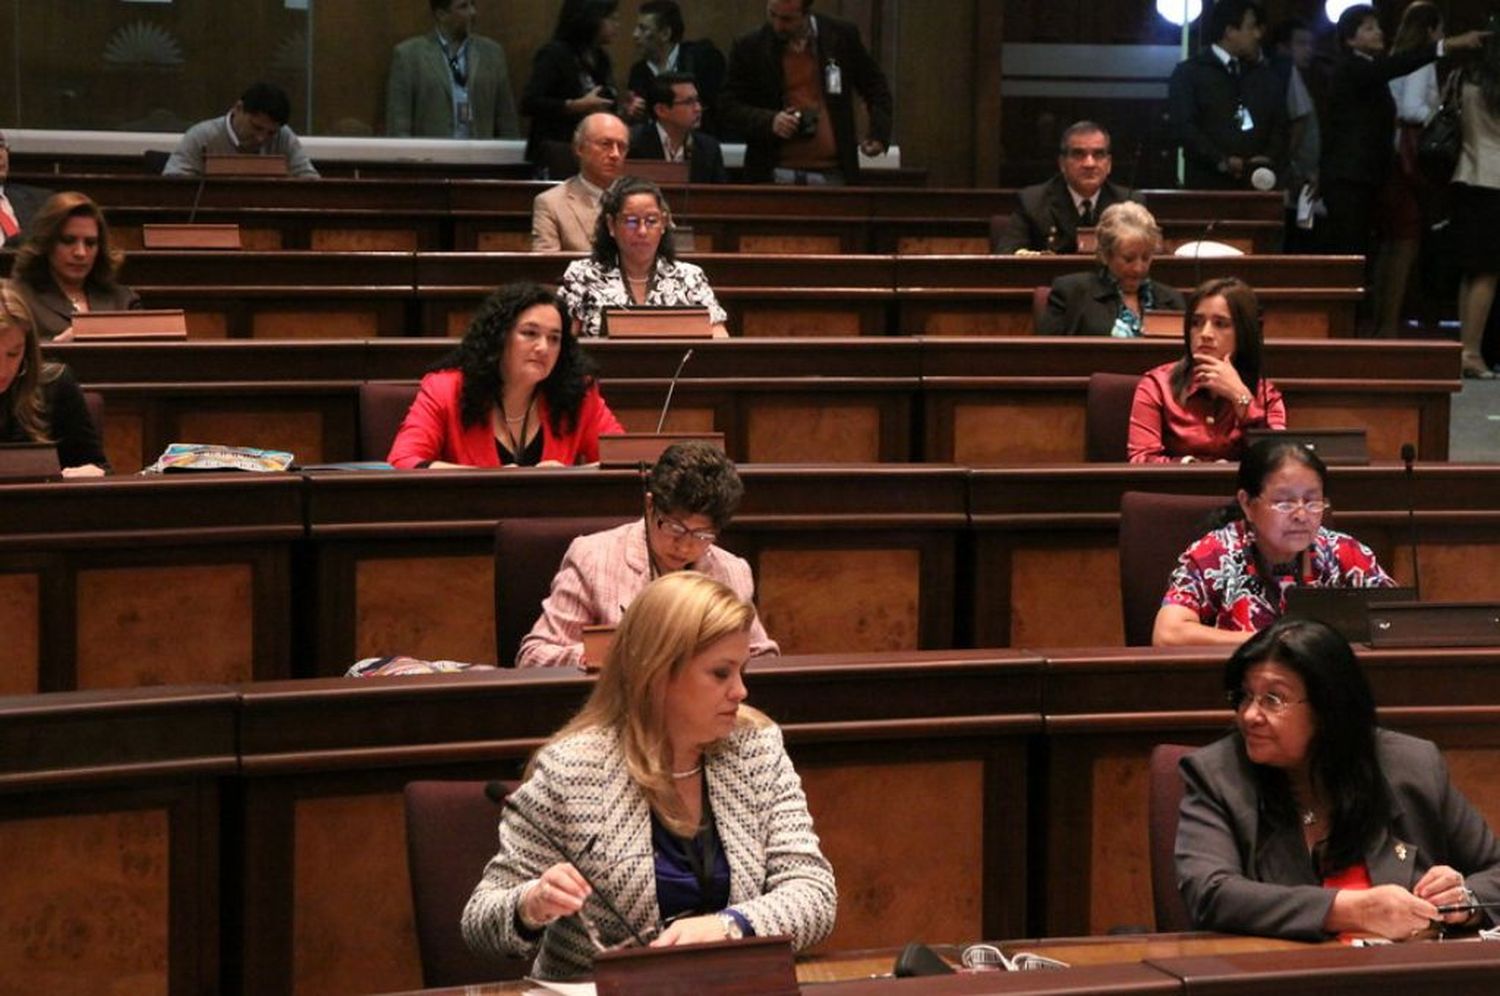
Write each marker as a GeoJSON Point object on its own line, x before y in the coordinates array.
{"type": "Point", "coordinates": [677, 800]}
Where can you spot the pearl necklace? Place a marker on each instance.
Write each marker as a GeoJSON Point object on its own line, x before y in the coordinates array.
{"type": "Point", "coordinates": [688, 773]}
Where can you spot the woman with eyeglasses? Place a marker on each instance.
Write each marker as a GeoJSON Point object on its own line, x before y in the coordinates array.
{"type": "Point", "coordinates": [634, 263]}
{"type": "Point", "coordinates": [517, 391]}
{"type": "Point", "coordinates": [1198, 407]}
{"type": "Point", "coordinates": [1233, 581]}
{"type": "Point", "coordinates": [691, 495]}
{"type": "Point", "coordinates": [666, 811]}
{"type": "Point", "coordinates": [1309, 820]}
{"type": "Point", "coordinates": [42, 402]}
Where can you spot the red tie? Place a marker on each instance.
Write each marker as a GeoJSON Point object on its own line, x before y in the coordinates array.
{"type": "Point", "coordinates": [8, 223]}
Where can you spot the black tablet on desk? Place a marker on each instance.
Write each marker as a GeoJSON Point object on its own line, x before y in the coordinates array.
{"type": "Point", "coordinates": [23, 462]}
{"type": "Point", "coordinates": [1345, 609]}
{"type": "Point", "coordinates": [1335, 447]}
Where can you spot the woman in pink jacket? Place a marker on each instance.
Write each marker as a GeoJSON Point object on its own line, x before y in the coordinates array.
{"type": "Point", "coordinates": [518, 391]}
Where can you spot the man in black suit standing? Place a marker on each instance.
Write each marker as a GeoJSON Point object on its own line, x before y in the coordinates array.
{"type": "Point", "coordinates": [672, 133]}
{"type": "Point", "coordinates": [790, 93]}
{"type": "Point", "coordinates": [1228, 105]}
{"type": "Point", "coordinates": [18, 202]}
{"type": "Point", "coordinates": [1050, 214]}
{"type": "Point", "coordinates": [659, 31]}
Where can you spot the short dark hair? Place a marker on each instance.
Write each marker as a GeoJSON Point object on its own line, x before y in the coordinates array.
{"type": "Point", "coordinates": [437, 5]}
{"type": "Point", "coordinates": [1244, 309]}
{"type": "Point", "coordinates": [606, 249]}
{"type": "Point", "coordinates": [1350, 20]}
{"type": "Point", "coordinates": [1285, 28]}
{"type": "Point", "coordinates": [1231, 14]}
{"type": "Point", "coordinates": [668, 15]}
{"type": "Point", "coordinates": [478, 358]}
{"type": "Point", "coordinates": [1080, 128]}
{"type": "Point", "coordinates": [268, 99]}
{"type": "Point", "coordinates": [1342, 753]}
{"type": "Point", "coordinates": [696, 478]}
{"type": "Point", "coordinates": [661, 88]}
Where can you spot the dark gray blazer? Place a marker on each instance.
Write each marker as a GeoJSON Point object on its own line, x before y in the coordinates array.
{"type": "Point", "coordinates": [705, 157]}
{"type": "Point", "coordinates": [1088, 304]}
{"type": "Point", "coordinates": [1240, 872]}
{"type": "Point", "coordinates": [53, 312]}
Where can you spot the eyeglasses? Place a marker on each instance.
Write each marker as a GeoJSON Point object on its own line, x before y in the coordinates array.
{"type": "Point", "coordinates": [650, 222]}
{"type": "Point", "coordinates": [1270, 703]}
{"type": "Point", "coordinates": [1315, 506]}
{"type": "Point", "coordinates": [1078, 155]}
{"type": "Point", "coordinates": [677, 530]}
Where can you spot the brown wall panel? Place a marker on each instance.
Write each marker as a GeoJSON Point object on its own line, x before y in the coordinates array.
{"type": "Point", "coordinates": [826, 321]}
{"type": "Point", "coordinates": [299, 432]}
{"type": "Point", "coordinates": [176, 625]}
{"type": "Point", "coordinates": [678, 419]}
{"type": "Point", "coordinates": [1046, 602]}
{"type": "Point", "coordinates": [1121, 893]}
{"type": "Point", "coordinates": [20, 611]}
{"type": "Point", "coordinates": [1037, 429]}
{"type": "Point", "coordinates": [85, 900]}
{"type": "Point", "coordinates": [124, 436]}
{"type": "Point", "coordinates": [1458, 572]}
{"type": "Point", "coordinates": [348, 937]}
{"type": "Point", "coordinates": [436, 608]}
{"type": "Point", "coordinates": [1386, 427]}
{"type": "Point", "coordinates": [207, 324]}
{"type": "Point", "coordinates": [893, 862]}
{"type": "Point", "coordinates": [831, 600]}
{"type": "Point", "coordinates": [341, 324]}
{"type": "Point", "coordinates": [791, 433]}
{"type": "Point", "coordinates": [364, 240]}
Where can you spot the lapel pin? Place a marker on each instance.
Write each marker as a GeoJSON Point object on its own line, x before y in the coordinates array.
{"type": "Point", "coordinates": [1400, 851]}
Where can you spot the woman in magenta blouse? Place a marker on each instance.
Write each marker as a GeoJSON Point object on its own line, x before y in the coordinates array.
{"type": "Point", "coordinates": [1198, 407]}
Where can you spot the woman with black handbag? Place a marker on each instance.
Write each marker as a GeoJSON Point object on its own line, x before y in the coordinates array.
{"type": "Point", "coordinates": [1476, 202]}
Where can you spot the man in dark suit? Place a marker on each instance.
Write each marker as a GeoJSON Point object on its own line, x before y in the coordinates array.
{"type": "Point", "coordinates": [672, 133]}
{"type": "Point", "coordinates": [18, 202]}
{"type": "Point", "coordinates": [790, 93]}
{"type": "Point", "coordinates": [1050, 214]}
{"type": "Point", "coordinates": [1228, 105]}
{"type": "Point", "coordinates": [659, 30]}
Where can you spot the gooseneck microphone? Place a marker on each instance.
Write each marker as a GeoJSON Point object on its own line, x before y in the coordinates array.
{"type": "Point", "coordinates": [197, 196]}
{"type": "Point", "coordinates": [1198, 251]}
{"type": "Point", "coordinates": [671, 388]}
{"type": "Point", "coordinates": [497, 794]}
{"type": "Point", "coordinates": [1408, 455]}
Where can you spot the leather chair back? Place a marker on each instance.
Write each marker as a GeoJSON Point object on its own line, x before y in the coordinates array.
{"type": "Point", "coordinates": [382, 408]}
{"type": "Point", "coordinates": [1154, 530]}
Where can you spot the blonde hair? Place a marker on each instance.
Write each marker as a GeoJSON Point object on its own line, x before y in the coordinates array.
{"type": "Point", "coordinates": [27, 407]}
{"type": "Point", "coordinates": [1123, 221]}
{"type": "Point", "coordinates": [676, 617]}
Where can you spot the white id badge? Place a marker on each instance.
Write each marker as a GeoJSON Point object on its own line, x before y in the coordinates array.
{"type": "Point", "coordinates": [833, 79]}
{"type": "Point", "coordinates": [1243, 119]}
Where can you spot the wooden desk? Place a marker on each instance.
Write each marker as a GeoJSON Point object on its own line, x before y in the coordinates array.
{"type": "Point", "coordinates": [118, 583]}
{"type": "Point", "coordinates": [976, 401]}
{"type": "Point", "coordinates": [861, 558]}
{"type": "Point", "coordinates": [1044, 531]}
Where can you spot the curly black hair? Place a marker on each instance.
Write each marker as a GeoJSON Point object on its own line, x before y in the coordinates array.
{"type": "Point", "coordinates": [606, 249]}
{"type": "Point", "coordinates": [478, 358]}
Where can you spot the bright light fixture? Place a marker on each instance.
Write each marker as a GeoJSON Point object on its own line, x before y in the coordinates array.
{"type": "Point", "coordinates": [1334, 9]}
{"type": "Point", "coordinates": [1179, 12]}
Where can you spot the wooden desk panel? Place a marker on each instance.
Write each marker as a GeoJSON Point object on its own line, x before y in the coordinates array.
{"type": "Point", "coordinates": [1041, 530]}
{"type": "Point", "coordinates": [140, 582]}
{"type": "Point", "coordinates": [957, 735]}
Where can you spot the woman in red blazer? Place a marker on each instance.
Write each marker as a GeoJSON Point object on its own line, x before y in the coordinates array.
{"type": "Point", "coordinates": [517, 391]}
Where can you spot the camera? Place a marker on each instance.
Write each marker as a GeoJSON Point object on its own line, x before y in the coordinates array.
{"type": "Point", "coordinates": [807, 122]}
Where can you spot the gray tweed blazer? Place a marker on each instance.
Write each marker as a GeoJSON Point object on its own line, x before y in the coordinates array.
{"type": "Point", "coordinates": [581, 792]}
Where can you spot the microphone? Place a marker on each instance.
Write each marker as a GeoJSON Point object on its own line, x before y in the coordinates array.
{"type": "Point", "coordinates": [497, 794]}
{"type": "Point", "coordinates": [1263, 178]}
{"type": "Point", "coordinates": [1408, 455]}
{"type": "Point", "coordinates": [197, 196]}
{"type": "Point", "coordinates": [1198, 251]}
{"type": "Point", "coordinates": [671, 388]}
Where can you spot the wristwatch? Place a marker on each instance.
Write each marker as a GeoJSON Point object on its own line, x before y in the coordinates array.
{"type": "Point", "coordinates": [732, 929]}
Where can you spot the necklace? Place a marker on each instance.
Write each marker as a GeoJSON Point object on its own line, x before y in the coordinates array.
{"type": "Point", "coordinates": [1309, 818]}
{"type": "Point", "coordinates": [521, 417]}
{"type": "Point", "coordinates": [688, 773]}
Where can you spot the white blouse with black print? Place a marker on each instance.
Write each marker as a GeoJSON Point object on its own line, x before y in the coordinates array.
{"type": "Point", "coordinates": [589, 287]}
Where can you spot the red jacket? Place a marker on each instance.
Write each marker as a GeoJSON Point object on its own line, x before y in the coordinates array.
{"type": "Point", "coordinates": [432, 429]}
{"type": "Point", "coordinates": [1162, 430]}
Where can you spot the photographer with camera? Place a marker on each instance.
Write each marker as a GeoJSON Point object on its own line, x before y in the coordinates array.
{"type": "Point", "coordinates": [790, 90]}
{"type": "Point", "coordinates": [571, 78]}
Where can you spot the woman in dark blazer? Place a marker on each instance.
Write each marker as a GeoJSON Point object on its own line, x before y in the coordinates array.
{"type": "Point", "coordinates": [1309, 820]}
{"type": "Point", "coordinates": [571, 78]}
{"type": "Point", "coordinates": [67, 265]}
{"type": "Point", "coordinates": [1113, 299]}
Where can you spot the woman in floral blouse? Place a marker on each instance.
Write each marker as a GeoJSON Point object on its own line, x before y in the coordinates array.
{"type": "Point", "coordinates": [634, 263]}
